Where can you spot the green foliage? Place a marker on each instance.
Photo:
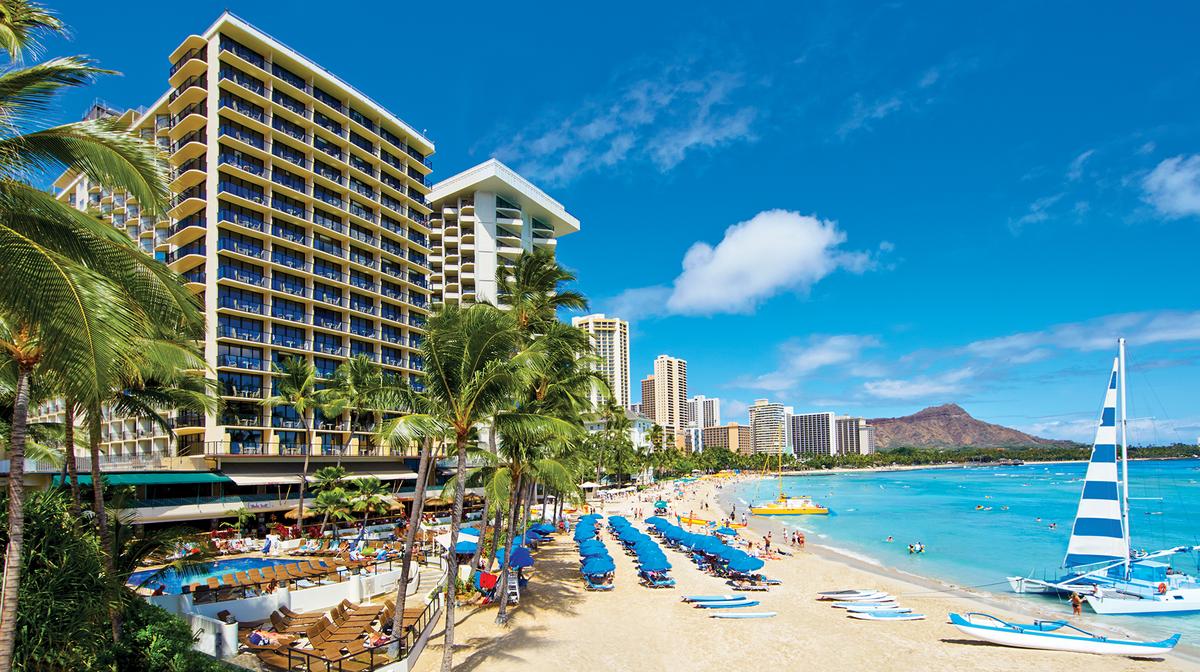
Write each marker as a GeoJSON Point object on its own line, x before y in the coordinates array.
{"type": "Point", "coordinates": [63, 616]}
{"type": "Point", "coordinates": [62, 620]}
{"type": "Point", "coordinates": [155, 641]}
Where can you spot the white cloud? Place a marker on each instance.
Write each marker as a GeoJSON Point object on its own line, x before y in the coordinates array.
{"type": "Point", "coordinates": [660, 119]}
{"type": "Point", "coordinates": [734, 410]}
{"type": "Point", "coordinates": [1173, 187]}
{"type": "Point", "coordinates": [921, 94]}
{"type": "Point", "coordinates": [1038, 212]}
{"type": "Point", "coordinates": [1075, 170]}
{"type": "Point", "coordinates": [1141, 329]}
{"type": "Point", "coordinates": [774, 252]}
{"type": "Point", "coordinates": [1143, 431]}
{"type": "Point", "coordinates": [801, 357]}
{"type": "Point", "coordinates": [920, 387]}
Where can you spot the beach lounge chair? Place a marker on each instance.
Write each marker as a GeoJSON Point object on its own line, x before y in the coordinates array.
{"type": "Point", "coordinates": [596, 586]}
{"type": "Point", "coordinates": [298, 617]}
{"type": "Point", "coordinates": [212, 583]}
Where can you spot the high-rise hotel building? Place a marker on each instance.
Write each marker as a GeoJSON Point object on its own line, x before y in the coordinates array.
{"type": "Point", "coordinates": [610, 339]}
{"type": "Point", "coordinates": [484, 218]}
{"type": "Point", "coordinates": [670, 397]}
{"type": "Point", "coordinates": [300, 217]}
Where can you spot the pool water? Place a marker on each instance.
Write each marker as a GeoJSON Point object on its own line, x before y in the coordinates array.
{"type": "Point", "coordinates": [174, 582]}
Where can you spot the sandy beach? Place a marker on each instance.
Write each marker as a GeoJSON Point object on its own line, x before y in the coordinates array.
{"type": "Point", "coordinates": [560, 625]}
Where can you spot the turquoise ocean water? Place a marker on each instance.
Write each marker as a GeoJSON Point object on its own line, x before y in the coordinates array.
{"type": "Point", "coordinates": [970, 547]}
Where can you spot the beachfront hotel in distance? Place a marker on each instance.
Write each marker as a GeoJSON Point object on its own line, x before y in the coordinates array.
{"type": "Point", "coordinates": [303, 216]}
{"type": "Point", "coordinates": [610, 340]}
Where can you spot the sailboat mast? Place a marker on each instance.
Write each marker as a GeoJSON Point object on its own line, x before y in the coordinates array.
{"type": "Point", "coordinates": [1124, 453]}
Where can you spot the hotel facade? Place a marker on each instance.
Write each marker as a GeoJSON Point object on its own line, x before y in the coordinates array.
{"type": "Point", "coordinates": [300, 217]}
{"type": "Point", "coordinates": [484, 219]}
{"type": "Point", "coordinates": [610, 339]}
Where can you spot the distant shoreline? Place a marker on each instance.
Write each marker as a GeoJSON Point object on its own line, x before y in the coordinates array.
{"type": "Point", "coordinates": [949, 465]}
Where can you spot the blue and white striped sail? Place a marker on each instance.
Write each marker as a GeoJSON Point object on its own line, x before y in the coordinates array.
{"type": "Point", "coordinates": [1099, 532]}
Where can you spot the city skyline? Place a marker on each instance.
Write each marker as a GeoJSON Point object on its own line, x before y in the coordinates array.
{"type": "Point", "coordinates": [1002, 289]}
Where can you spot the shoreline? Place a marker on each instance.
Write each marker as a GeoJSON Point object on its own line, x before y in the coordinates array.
{"type": "Point", "coordinates": [933, 585]}
{"type": "Point", "coordinates": [560, 625]}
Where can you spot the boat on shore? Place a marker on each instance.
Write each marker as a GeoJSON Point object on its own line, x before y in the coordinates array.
{"type": "Point", "coordinates": [1054, 636]}
{"type": "Point", "coordinates": [789, 506]}
{"type": "Point", "coordinates": [1100, 564]}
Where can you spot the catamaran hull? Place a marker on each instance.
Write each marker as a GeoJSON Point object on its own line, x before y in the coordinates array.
{"type": "Point", "coordinates": [1054, 642]}
{"type": "Point", "coordinates": [1173, 602]}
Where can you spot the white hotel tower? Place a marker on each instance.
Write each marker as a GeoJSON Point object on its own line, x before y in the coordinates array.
{"type": "Point", "coordinates": [484, 218]}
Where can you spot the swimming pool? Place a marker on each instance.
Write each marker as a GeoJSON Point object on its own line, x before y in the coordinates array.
{"type": "Point", "coordinates": [174, 581]}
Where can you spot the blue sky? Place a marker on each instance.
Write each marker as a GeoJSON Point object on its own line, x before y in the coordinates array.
{"type": "Point", "coordinates": [860, 208]}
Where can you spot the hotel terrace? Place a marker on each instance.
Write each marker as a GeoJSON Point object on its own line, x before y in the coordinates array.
{"type": "Point", "coordinates": [300, 217]}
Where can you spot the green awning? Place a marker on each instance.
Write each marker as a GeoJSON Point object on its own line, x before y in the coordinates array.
{"type": "Point", "coordinates": [154, 478]}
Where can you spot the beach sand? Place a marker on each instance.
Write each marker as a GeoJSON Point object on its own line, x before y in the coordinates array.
{"type": "Point", "coordinates": [561, 626]}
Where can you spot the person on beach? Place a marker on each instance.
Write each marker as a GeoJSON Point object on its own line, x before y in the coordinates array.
{"type": "Point", "coordinates": [1076, 604]}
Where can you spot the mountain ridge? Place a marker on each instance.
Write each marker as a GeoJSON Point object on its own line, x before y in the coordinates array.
{"type": "Point", "coordinates": [950, 426]}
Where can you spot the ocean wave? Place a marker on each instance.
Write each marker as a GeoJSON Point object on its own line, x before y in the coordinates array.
{"type": "Point", "coordinates": [852, 554]}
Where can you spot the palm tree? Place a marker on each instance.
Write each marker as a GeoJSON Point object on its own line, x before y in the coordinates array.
{"type": "Point", "coordinates": [473, 369]}
{"type": "Point", "coordinates": [532, 289]}
{"type": "Point", "coordinates": [74, 291]}
{"type": "Point", "coordinates": [297, 387]}
{"type": "Point", "coordinates": [422, 422]}
{"type": "Point", "coordinates": [333, 503]}
{"type": "Point", "coordinates": [356, 385]}
{"type": "Point", "coordinates": [368, 495]}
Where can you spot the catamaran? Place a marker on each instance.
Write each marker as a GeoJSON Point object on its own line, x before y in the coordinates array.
{"type": "Point", "coordinates": [1099, 564]}
{"type": "Point", "coordinates": [787, 506]}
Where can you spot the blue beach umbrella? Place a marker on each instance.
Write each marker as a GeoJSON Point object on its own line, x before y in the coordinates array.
{"type": "Point", "coordinates": [727, 531]}
{"type": "Point", "coordinates": [465, 548]}
{"type": "Point", "coordinates": [660, 504]}
{"type": "Point", "coordinates": [654, 564]}
{"type": "Point", "coordinates": [746, 564]}
{"type": "Point", "coordinates": [598, 566]}
{"type": "Point", "coordinates": [472, 531]}
{"type": "Point", "coordinates": [520, 557]}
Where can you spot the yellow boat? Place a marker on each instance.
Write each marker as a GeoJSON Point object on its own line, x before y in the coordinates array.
{"type": "Point", "coordinates": [788, 506]}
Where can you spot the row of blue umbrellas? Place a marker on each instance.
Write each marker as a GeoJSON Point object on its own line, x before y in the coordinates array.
{"type": "Point", "coordinates": [735, 559]}
{"type": "Point", "coordinates": [592, 553]}
{"type": "Point", "coordinates": [649, 554]}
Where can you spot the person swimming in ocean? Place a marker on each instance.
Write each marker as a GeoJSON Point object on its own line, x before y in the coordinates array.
{"type": "Point", "coordinates": [890, 539]}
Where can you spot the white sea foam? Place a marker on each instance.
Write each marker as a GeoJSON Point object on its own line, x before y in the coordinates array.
{"type": "Point", "coordinates": [852, 554]}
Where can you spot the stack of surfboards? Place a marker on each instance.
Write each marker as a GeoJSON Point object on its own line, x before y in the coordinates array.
{"type": "Point", "coordinates": [869, 605]}
{"type": "Point", "coordinates": [722, 606]}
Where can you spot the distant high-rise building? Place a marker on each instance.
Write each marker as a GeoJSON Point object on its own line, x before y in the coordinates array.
{"type": "Point", "coordinates": [734, 436]}
{"type": "Point", "coordinates": [636, 408]}
{"type": "Point", "coordinates": [670, 394]}
{"type": "Point", "coordinates": [483, 219]}
{"type": "Point", "coordinates": [813, 433]}
{"type": "Point", "coordinates": [768, 432]}
{"type": "Point", "coordinates": [866, 439]}
{"type": "Point", "coordinates": [854, 436]}
{"type": "Point", "coordinates": [704, 411]}
{"type": "Point", "coordinates": [648, 397]}
{"type": "Point", "coordinates": [610, 339]}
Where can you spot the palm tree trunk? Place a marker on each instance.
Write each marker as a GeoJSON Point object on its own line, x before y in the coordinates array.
{"type": "Point", "coordinates": [460, 476]}
{"type": "Point", "coordinates": [514, 508]}
{"type": "Point", "coordinates": [545, 503]}
{"type": "Point", "coordinates": [106, 544]}
{"type": "Point", "coordinates": [498, 523]}
{"type": "Point", "coordinates": [304, 476]}
{"type": "Point", "coordinates": [16, 518]}
{"type": "Point", "coordinates": [482, 529]}
{"type": "Point", "coordinates": [69, 453]}
{"type": "Point", "coordinates": [410, 539]}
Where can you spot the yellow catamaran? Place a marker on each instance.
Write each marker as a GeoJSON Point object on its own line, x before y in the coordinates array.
{"type": "Point", "coordinates": [787, 506]}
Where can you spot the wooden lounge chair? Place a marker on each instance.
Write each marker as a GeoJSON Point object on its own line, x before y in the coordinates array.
{"type": "Point", "coordinates": [298, 617]}
{"type": "Point", "coordinates": [228, 580]}
{"type": "Point", "coordinates": [212, 583]}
